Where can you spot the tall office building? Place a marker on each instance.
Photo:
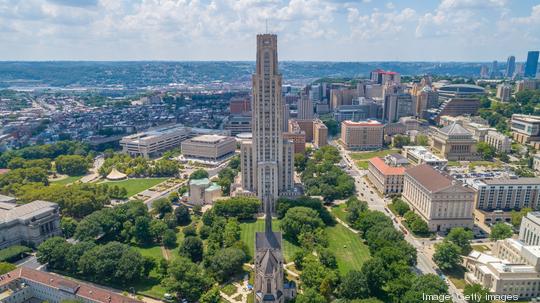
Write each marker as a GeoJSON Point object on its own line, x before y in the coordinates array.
{"type": "Point", "coordinates": [494, 69]}
{"type": "Point", "coordinates": [305, 108]}
{"type": "Point", "coordinates": [484, 72]}
{"type": "Point", "coordinates": [510, 66]}
{"type": "Point", "coordinates": [532, 64]}
{"type": "Point", "coordinates": [267, 168]}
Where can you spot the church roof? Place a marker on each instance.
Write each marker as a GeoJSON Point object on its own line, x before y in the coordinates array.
{"type": "Point", "coordinates": [455, 129]}
{"type": "Point", "coordinates": [264, 240]}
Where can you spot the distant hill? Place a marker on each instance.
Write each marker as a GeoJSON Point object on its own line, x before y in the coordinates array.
{"type": "Point", "coordinates": [144, 73]}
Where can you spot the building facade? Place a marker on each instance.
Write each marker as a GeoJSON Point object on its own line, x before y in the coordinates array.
{"type": "Point", "coordinates": [529, 230]}
{"type": "Point", "coordinates": [155, 142]}
{"type": "Point", "coordinates": [454, 142]}
{"type": "Point", "coordinates": [28, 224]}
{"type": "Point", "coordinates": [532, 64]}
{"type": "Point", "coordinates": [499, 141]}
{"type": "Point", "coordinates": [508, 194]}
{"type": "Point", "coordinates": [441, 201]}
{"type": "Point", "coordinates": [387, 179]}
{"type": "Point", "coordinates": [364, 135]}
{"type": "Point", "coordinates": [421, 155]}
{"type": "Point", "coordinates": [305, 107]}
{"type": "Point", "coordinates": [526, 129]}
{"type": "Point", "coordinates": [213, 148]}
{"type": "Point", "coordinates": [504, 92]}
{"type": "Point", "coordinates": [203, 191]}
{"type": "Point", "coordinates": [320, 134]}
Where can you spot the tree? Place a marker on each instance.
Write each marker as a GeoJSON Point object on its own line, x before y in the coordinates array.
{"type": "Point", "coordinates": [500, 231]}
{"type": "Point", "coordinates": [399, 141]}
{"type": "Point", "coordinates": [186, 280]}
{"type": "Point", "coordinates": [225, 263]}
{"type": "Point", "coordinates": [198, 174]}
{"type": "Point", "coordinates": [169, 238]}
{"type": "Point", "coordinates": [73, 165]}
{"type": "Point", "coordinates": [242, 208]}
{"type": "Point", "coordinates": [162, 206]}
{"type": "Point", "coordinates": [231, 233]}
{"type": "Point", "coordinates": [462, 238]}
{"type": "Point", "coordinates": [447, 255]}
{"type": "Point", "coordinates": [300, 161]}
{"type": "Point", "coordinates": [310, 295]}
{"type": "Point", "coordinates": [142, 230]}
{"type": "Point", "coordinates": [353, 286]}
{"type": "Point", "coordinates": [182, 215]}
{"type": "Point", "coordinates": [476, 291]}
{"type": "Point", "coordinates": [190, 230]}
{"type": "Point", "coordinates": [211, 296]}
{"type": "Point", "coordinates": [113, 262]}
{"type": "Point", "coordinates": [300, 220]}
{"type": "Point", "coordinates": [53, 252]}
{"type": "Point", "coordinates": [192, 248]}
{"type": "Point", "coordinates": [68, 226]}
{"type": "Point", "coordinates": [332, 125]}
{"type": "Point", "coordinates": [517, 216]}
{"type": "Point", "coordinates": [376, 275]}
{"type": "Point", "coordinates": [157, 229]}
{"type": "Point", "coordinates": [422, 140]}
{"type": "Point", "coordinates": [6, 267]}
{"type": "Point", "coordinates": [88, 229]}
{"type": "Point", "coordinates": [400, 206]}
{"type": "Point", "coordinates": [425, 284]}
{"type": "Point", "coordinates": [487, 151]}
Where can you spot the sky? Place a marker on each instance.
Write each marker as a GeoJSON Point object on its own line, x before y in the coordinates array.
{"type": "Point", "coordinates": [319, 30]}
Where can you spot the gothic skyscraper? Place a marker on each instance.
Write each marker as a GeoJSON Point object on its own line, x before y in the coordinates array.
{"type": "Point", "coordinates": [267, 168]}
{"type": "Point", "coordinates": [267, 160]}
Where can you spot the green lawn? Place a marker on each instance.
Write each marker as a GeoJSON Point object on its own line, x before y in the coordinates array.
{"type": "Point", "coordinates": [67, 180]}
{"type": "Point", "coordinates": [481, 248]}
{"type": "Point", "coordinates": [340, 211]}
{"type": "Point", "coordinates": [371, 154]}
{"type": "Point", "coordinates": [474, 164]}
{"type": "Point", "coordinates": [457, 276]}
{"type": "Point", "coordinates": [350, 251]}
{"type": "Point", "coordinates": [363, 157]}
{"type": "Point", "coordinates": [247, 235]}
{"type": "Point", "coordinates": [135, 186]}
{"type": "Point", "coordinates": [453, 163]}
{"type": "Point", "coordinates": [150, 286]}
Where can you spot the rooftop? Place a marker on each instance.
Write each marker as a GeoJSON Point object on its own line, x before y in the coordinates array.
{"type": "Point", "coordinates": [526, 118]}
{"type": "Point", "coordinates": [385, 168]}
{"type": "Point", "coordinates": [431, 179]}
{"type": "Point", "coordinates": [208, 138]}
{"type": "Point", "coordinates": [89, 292]}
{"type": "Point", "coordinates": [362, 123]}
{"type": "Point", "coordinates": [454, 129]}
{"type": "Point", "coordinates": [203, 181]}
{"type": "Point", "coordinates": [25, 211]}
{"type": "Point", "coordinates": [518, 181]}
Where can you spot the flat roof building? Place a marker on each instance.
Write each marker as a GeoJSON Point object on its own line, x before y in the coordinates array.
{"type": "Point", "coordinates": [529, 230]}
{"type": "Point", "coordinates": [526, 129]}
{"type": "Point", "coordinates": [421, 155]}
{"type": "Point", "coordinates": [441, 201]}
{"type": "Point", "coordinates": [212, 148]}
{"type": "Point", "coordinates": [363, 135]}
{"type": "Point", "coordinates": [154, 142]}
{"type": "Point", "coordinates": [30, 223]}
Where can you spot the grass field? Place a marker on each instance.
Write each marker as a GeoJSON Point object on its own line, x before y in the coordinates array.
{"type": "Point", "coordinates": [493, 164]}
{"type": "Point", "coordinates": [371, 154]}
{"type": "Point", "coordinates": [135, 186]}
{"type": "Point", "coordinates": [67, 180]}
{"type": "Point", "coordinates": [481, 248]}
{"type": "Point", "coordinates": [150, 286]}
{"type": "Point", "coordinates": [340, 211]}
{"type": "Point", "coordinates": [350, 251]}
{"type": "Point", "coordinates": [247, 235]}
{"type": "Point", "coordinates": [363, 157]}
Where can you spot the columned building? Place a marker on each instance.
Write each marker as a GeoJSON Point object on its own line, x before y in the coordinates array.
{"type": "Point", "coordinates": [267, 169]}
{"type": "Point", "coordinates": [455, 143]}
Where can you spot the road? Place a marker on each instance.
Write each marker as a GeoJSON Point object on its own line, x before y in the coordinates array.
{"type": "Point", "coordinates": [375, 202]}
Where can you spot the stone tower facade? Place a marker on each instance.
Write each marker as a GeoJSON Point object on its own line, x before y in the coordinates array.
{"type": "Point", "coordinates": [267, 160]}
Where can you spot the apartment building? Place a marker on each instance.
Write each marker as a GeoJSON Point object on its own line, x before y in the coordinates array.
{"type": "Point", "coordinates": [387, 179]}
{"type": "Point", "coordinates": [441, 201]}
{"type": "Point", "coordinates": [298, 139]}
{"type": "Point", "coordinates": [320, 134]}
{"type": "Point", "coordinates": [363, 135]}
{"type": "Point", "coordinates": [504, 92]}
{"type": "Point", "coordinates": [210, 148]}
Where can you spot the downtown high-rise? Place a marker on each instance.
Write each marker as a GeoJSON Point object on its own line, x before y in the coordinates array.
{"type": "Point", "coordinates": [531, 66]}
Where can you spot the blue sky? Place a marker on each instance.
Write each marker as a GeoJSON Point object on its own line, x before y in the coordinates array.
{"type": "Point", "coordinates": [336, 30]}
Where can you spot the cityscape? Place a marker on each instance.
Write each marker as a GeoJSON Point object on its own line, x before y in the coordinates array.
{"type": "Point", "coordinates": [227, 176]}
